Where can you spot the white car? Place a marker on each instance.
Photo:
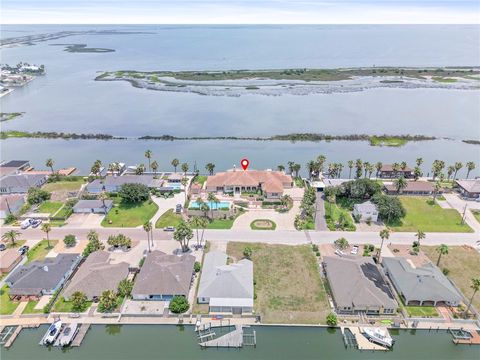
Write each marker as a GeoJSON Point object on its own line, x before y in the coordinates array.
{"type": "Point", "coordinates": [354, 250]}
{"type": "Point", "coordinates": [25, 223]}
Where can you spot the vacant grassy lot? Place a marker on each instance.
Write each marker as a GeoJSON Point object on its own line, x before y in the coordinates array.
{"type": "Point", "coordinates": [288, 286]}
{"type": "Point", "coordinates": [66, 306]}
{"type": "Point", "coordinates": [168, 218]}
{"type": "Point", "coordinates": [50, 207]}
{"type": "Point", "coordinates": [427, 216]}
{"type": "Point", "coordinates": [130, 215]}
{"type": "Point", "coordinates": [39, 251]}
{"type": "Point", "coordinates": [64, 185]}
{"type": "Point", "coordinates": [6, 306]}
{"type": "Point", "coordinates": [463, 263]}
{"type": "Point", "coordinates": [332, 215]}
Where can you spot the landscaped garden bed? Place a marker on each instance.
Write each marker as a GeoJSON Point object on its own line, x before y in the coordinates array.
{"type": "Point", "coordinates": [263, 224]}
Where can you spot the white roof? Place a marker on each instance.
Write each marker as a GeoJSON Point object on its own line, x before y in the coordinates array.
{"type": "Point", "coordinates": [366, 206]}
{"type": "Point", "coordinates": [226, 302]}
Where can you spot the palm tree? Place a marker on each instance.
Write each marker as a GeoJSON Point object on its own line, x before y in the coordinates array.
{"type": "Point", "coordinates": [210, 167]}
{"type": "Point", "coordinates": [311, 168]}
{"type": "Point", "coordinates": [400, 184]}
{"type": "Point", "coordinates": [366, 166]}
{"type": "Point", "coordinates": [419, 161]}
{"type": "Point", "coordinates": [154, 167]}
{"type": "Point", "coordinates": [184, 182]}
{"type": "Point", "coordinates": [211, 199]}
{"type": "Point", "coordinates": [442, 250]}
{"type": "Point", "coordinates": [175, 163]}
{"type": "Point", "coordinates": [49, 163]}
{"type": "Point", "coordinates": [46, 228]}
{"type": "Point", "coordinates": [403, 165]}
{"type": "Point", "coordinates": [378, 167]}
{"type": "Point", "coordinates": [417, 172]}
{"type": "Point", "coordinates": [290, 166]}
{"type": "Point", "coordinates": [458, 166]}
{"type": "Point", "coordinates": [420, 236]}
{"type": "Point", "coordinates": [475, 287]}
{"type": "Point", "coordinates": [102, 197]}
{"type": "Point", "coordinates": [296, 168]}
{"type": "Point", "coordinates": [436, 189]}
{"type": "Point", "coordinates": [384, 234]}
{"type": "Point", "coordinates": [358, 166]}
{"type": "Point", "coordinates": [148, 155]}
{"type": "Point", "coordinates": [437, 167]}
{"type": "Point", "coordinates": [148, 228]}
{"type": "Point", "coordinates": [140, 169]}
{"type": "Point", "coordinates": [281, 168]}
{"type": "Point", "coordinates": [470, 167]}
{"type": "Point", "coordinates": [11, 236]}
{"type": "Point", "coordinates": [196, 222]}
{"type": "Point", "coordinates": [185, 169]}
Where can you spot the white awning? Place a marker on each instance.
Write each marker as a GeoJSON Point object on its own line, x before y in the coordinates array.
{"type": "Point", "coordinates": [231, 302]}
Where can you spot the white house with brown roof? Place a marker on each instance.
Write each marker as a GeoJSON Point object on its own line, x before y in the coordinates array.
{"type": "Point", "coordinates": [469, 188]}
{"type": "Point", "coordinates": [271, 183]}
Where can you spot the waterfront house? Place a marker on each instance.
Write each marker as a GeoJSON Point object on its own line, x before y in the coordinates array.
{"type": "Point", "coordinates": [226, 288]}
{"type": "Point", "coordinates": [270, 183]}
{"type": "Point", "coordinates": [10, 204]}
{"type": "Point", "coordinates": [113, 184]}
{"type": "Point", "coordinates": [421, 286]}
{"type": "Point", "coordinates": [366, 211]}
{"type": "Point", "coordinates": [413, 188]}
{"type": "Point", "coordinates": [19, 165]}
{"type": "Point", "coordinates": [469, 188]}
{"type": "Point", "coordinates": [387, 172]}
{"type": "Point", "coordinates": [20, 183]}
{"type": "Point", "coordinates": [164, 276]}
{"type": "Point", "coordinates": [92, 206]}
{"type": "Point", "coordinates": [9, 258]}
{"type": "Point", "coordinates": [175, 177]}
{"type": "Point", "coordinates": [358, 285]}
{"type": "Point", "coordinates": [96, 275]}
{"type": "Point", "coordinates": [40, 278]}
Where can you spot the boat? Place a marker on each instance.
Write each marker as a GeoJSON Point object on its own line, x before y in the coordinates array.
{"type": "Point", "coordinates": [379, 336]}
{"type": "Point", "coordinates": [52, 332]}
{"type": "Point", "coordinates": [67, 334]}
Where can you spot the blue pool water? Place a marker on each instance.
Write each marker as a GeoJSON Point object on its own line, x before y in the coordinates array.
{"type": "Point", "coordinates": [211, 205]}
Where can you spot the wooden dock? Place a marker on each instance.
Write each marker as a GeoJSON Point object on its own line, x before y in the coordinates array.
{"type": "Point", "coordinates": [362, 342]}
{"type": "Point", "coordinates": [236, 338]}
{"type": "Point", "coordinates": [17, 332]}
{"type": "Point", "coordinates": [473, 340]}
{"type": "Point", "coordinates": [77, 341]}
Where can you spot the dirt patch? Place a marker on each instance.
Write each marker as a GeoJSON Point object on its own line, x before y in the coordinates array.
{"type": "Point", "coordinates": [405, 251]}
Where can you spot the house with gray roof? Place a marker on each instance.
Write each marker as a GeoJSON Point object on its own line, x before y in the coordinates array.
{"type": "Point", "coordinates": [366, 211]}
{"type": "Point", "coordinates": [114, 183]}
{"type": "Point", "coordinates": [226, 288]}
{"type": "Point", "coordinates": [40, 278]}
{"type": "Point", "coordinates": [422, 286]}
{"type": "Point", "coordinates": [358, 285]}
{"type": "Point", "coordinates": [164, 276]}
{"type": "Point", "coordinates": [95, 275]}
{"type": "Point", "coordinates": [20, 183]}
{"type": "Point", "coordinates": [92, 206]}
{"type": "Point", "coordinates": [469, 188]}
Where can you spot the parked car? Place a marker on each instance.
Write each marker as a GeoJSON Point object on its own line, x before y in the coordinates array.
{"type": "Point", "coordinates": [169, 228]}
{"type": "Point", "coordinates": [25, 224]}
{"type": "Point", "coordinates": [354, 250]}
{"type": "Point", "coordinates": [23, 249]}
{"type": "Point", "coordinates": [35, 223]}
{"type": "Point", "coordinates": [339, 252]}
{"type": "Point", "coordinates": [178, 209]}
{"type": "Point", "coordinates": [2, 247]}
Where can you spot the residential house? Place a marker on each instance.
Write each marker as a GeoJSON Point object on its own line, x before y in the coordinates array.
{"type": "Point", "coordinates": [93, 206]}
{"type": "Point", "coordinates": [358, 285]}
{"type": "Point", "coordinates": [175, 177]}
{"type": "Point", "coordinates": [40, 278]}
{"type": "Point", "coordinates": [421, 286]}
{"type": "Point", "coordinates": [469, 188]}
{"type": "Point", "coordinates": [270, 183]}
{"type": "Point", "coordinates": [226, 288]}
{"type": "Point", "coordinates": [387, 172]}
{"type": "Point", "coordinates": [114, 183]}
{"type": "Point", "coordinates": [96, 275]}
{"type": "Point", "coordinates": [366, 211]}
{"type": "Point", "coordinates": [413, 188]}
{"type": "Point", "coordinates": [10, 204]}
{"type": "Point", "coordinates": [20, 165]}
{"type": "Point", "coordinates": [164, 276]}
{"type": "Point", "coordinates": [20, 183]}
{"type": "Point", "coordinates": [9, 258]}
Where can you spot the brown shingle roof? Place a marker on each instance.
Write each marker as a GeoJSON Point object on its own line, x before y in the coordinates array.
{"type": "Point", "coordinates": [389, 167]}
{"type": "Point", "coordinates": [423, 186]}
{"type": "Point", "coordinates": [472, 186]}
{"type": "Point", "coordinates": [8, 258]}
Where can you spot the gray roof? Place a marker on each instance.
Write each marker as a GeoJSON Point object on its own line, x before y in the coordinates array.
{"type": "Point", "coordinates": [14, 163]}
{"type": "Point", "coordinates": [147, 180]}
{"type": "Point", "coordinates": [22, 180]}
{"type": "Point", "coordinates": [96, 275]}
{"type": "Point", "coordinates": [367, 206]}
{"type": "Point", "coordinates": [426, 283]}
{"type": "Point", "coordinates": [472, 186]}
{"type": "Point", "coordinates": [357, 282]}
{"type": "Point", "coordinates": [40, 276]}
{"type": "Point", "coordinates": [163, 274]}
{"type": "Point", "coordinates": [92, 204]}
{"type": "Point", "coordinates": [225, 281]}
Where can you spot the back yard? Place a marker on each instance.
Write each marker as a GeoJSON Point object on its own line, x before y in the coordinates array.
{"type": "Point", "coordinates": [64, 185]}
{"type": "Point", "coordinates": [288, 287]}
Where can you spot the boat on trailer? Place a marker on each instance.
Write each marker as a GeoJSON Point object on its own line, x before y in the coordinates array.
{"type": "Point", "coordinates": [378, 336]}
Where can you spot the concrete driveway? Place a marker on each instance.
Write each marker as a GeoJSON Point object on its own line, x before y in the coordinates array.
{"type": "Point", "coordinates": [89, 221]}
{"type": "Point", "coordinates": [320, 222]}
{"type": "Point", "coordinates": [464, 206]}
{"type": "Point", "coordinates": [166, 204]}
{"type": "Point", "coordinates": [284, 221]}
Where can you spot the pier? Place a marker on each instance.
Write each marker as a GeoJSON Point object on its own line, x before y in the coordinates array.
{"type": "Point", "coordinates": [237, 338]}
{"type": "Point", "coordinates": [465, 337]}
{"type": "Point", "coordinates": [8, 334]}
{"type": "Point", "coordinates": [77, 341]}
{"type": "Point", "coordinates": [356, 339]}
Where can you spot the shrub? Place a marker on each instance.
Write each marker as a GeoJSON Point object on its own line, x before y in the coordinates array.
{"type": "Point", "coordinates": [125, 288]}
{"type": "Point", "coordinates": [317, 253]}
{"type": "Point", "coordinates": [247, 252]}
{"type": "Point", "coordinates": [36, 195]}
{"type": "Point", "coordinates": [119, 240]}
{"type": "Point", "coordinates": [140, 263]}
{"type": "Point", "coordinates": [10, 218]}
{"type": "Point", "coordinates": [341, 243]}
{"type": "Point", "coordinates": [134, 193]}
{"type": "Point", "coordinates": [69, 240]}
{"type": "Point", "coordinates": [332, 319]}
{"type": "Point", "coordinates": [108, 301]}
{"type": "Point", "coordinates": [445, 271]}
{"type": "Point", "coordinates": [179, 304]}
{"type": "Point", "coordinates": [315, 248]}
{"type": "Point", "coordinates": [197, 266]}
{"type": "Point", "coordinates": [79, 301]}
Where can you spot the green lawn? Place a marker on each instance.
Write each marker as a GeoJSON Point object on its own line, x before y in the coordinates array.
{"type": "Point", "coordinates": [168, 218]}
{"type": "Point", "coordinates": [427, 216]}
{"type": "Point", "coordinates": [29, 309]}
{"type": "Point", "coordinates": [421, 311]}
{"type": "Point", "coordinates": [64, 185]}
{"type": "Point", "coordinates": [221, 224]}
{"type": "Point", "coordinates": [476, 213]}
{"type": "Point", "coordinates": [444, 79]}
{"type": "Point", "coordinates": [263, 224]}
{"type": "Point", "coordinates": [386, 141]}
{"type": "Point", "coordinates": [332, 214]}
{"type": "Point", "coordinates": [50, 207]}
{"type": "Point", "coordinates": [130, 215]}
{"type": "Point", "coordinates": [39, 251]}
{"type": "Point", "coordinates": [66, 306]}
{"type": "Point", "coordinates": [7, 306]}
{"type": "Point", "coordinates": [17, 244]}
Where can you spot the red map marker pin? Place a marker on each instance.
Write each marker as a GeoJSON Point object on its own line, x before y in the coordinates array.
{"type": "Point", "coordinates": [244, 164]}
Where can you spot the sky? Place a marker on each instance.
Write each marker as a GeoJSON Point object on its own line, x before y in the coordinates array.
{"type": "Point", "coordinates": [239, 12]}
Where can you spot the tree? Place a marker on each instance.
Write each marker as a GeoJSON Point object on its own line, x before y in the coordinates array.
{"type": "Point", "coordinates": [197, 267]}
{"type": "Point", "coordinates": [437, 168]}
{"type": "Point", "coordinates": [290, 167]}
{"type": "Point", "coordinates": [470, 167]}
{"type": "Point", "coordinates": [211, 198]}
{"type": "Point", "coordinates": [148, 228]}
{"type": "Point", "coordinates": [420, 235]}
{"type": "Point", "coordinates": [102, 197]}
{"type": "Point", "coordinates": [119, 240]}
{"type": "Point", "coordinates": [184, 183]}
{"type": "Point", "coordinates": [12, 236]}
{"type": "Point", "coordinates": [442, 250]}
{"type": "Point", "coordinates": [384, 234]}
{"type": "Point", "coordinates": [436, 189]}
{"type": "Point", "coordinates": [183, 234]}
{"type": "Point", "coordinates": [175, 163]}
{"type": "Point", "coordinates": [134, 193]}
{"type": "Point", "coordinates": [281, 168]}
{"type": "Point", "coordinates": [358, 168]}
{"type": "Point", "coordinates": [247, 252]}
{"type": "Point", "coordinates": [210, 167]}
{"type": "Point", "coordinates": [184, 169]}
{"type": "Point", "coordinates": [96, 168]}
{"type": "Point", "coordinates": [108, 301]}
{"type": "Point", "coordinates": [79, 301]}
{"type": "Point", "coordinates": [49, 163]}
{"type": "Point", "coordinates": [154, 167]}
{"type": "Point", "coordinates": [378, 167]}
{"type": "Point", "coordinates": [69, 240]}
{"type": "Point", "coordinates": [196, 223]}
{"type": "Point", "coordinates": [179, 304]}
{"type": "Point", "coordinates": [125, 287]}
{"type": "Point", "coordinates": [36, 195]}
{"type": "Point", "coordinates": [450, 171]}
{"type": "Point", "coordinates": [341, 243]}
{"type": "Point", "coordinates": [311, 166]}
{"type": "Point", "coordinates": [94, 243]}
{"type": "Point", "coordinates": [332, 320]}
{"type": "Point", "coordinates": [458, 166]}
{"type": "Point", "coordinates": [46, 228]}
{"type": "Point", "coordinates": [419, 162]}
{"type": "Point", "coordinates": [140, 169]}
{"type": "Point", "coordinates": [148, 155]}
{"type": "Point", "coordinates": [296, 168]}
{"type": "Point", "coordinates": [417, 172]}
{"type": "Point", "coordinates": [350, 166]}
{"type": "Point", "coordinates": [400, 184]}
{"type": "Point", "coordinates": [475, 286]}
{"type": "Point", "coordinates": [403, 165]}
{"type": "Point", "coordinates": [390, 209]}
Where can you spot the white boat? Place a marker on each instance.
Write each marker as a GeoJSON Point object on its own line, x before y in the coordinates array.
{"type": "Point", "coordinates": [379, 336]}
{"type": "Point", "coordinates": [52, 333]}
{"type": "Point", "coordinates": [67, 335]}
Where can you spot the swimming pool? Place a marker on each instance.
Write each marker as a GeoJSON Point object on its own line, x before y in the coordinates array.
{"type": "Point", "coordinates": [211, 205]}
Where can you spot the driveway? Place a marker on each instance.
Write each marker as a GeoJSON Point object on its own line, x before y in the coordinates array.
{"type": "Point", "coordinates": [284, 221]}
{"type": "Point", "coordinates": [464, 206]}
{"type": "Point", "coordinates": [166, 204]}
{"type": "Point", "coordinates": [320, 222]}
{"type": "Point", "coordinates": [89, 221]}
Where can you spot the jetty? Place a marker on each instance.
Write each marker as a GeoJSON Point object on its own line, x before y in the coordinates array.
{"type": "Point", "coordinates": [353, 337]}
{"type": "Point", "coordinates": [465, 337]}
{"type": "Point", "coordinates": [225, 337]}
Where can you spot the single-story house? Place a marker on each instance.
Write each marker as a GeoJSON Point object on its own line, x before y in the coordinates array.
{"type": "Point", "coordinates": [40, 278]}
{"type": "Point", "coordinates": [96, 275]}
{"type": "Point", "coordinates": [20, 183]}
{"type": "Point", "coordinates": [413, 188]}
{"type": "Point", "coordinates": [175, 177]}
{"type": "Point", "coordinates": [366, 211]}
{"type": "Point", "coordinates": [20, 165]}
{"type": "Point", "coordinates": [387, 172]}
{"type": "Point", "coordinates": [226, 288]}
{"type": "Point", "coordinates": [10, 204]}
{"type": "Point", "coordinates": [421, 286]}
{"type": "Point", "coordinates": [164, 276]}
{"type": "Point", "coordinates": [271, 183]}
{"type": "Point", "coordinates": [113, 183]}
{"type": "Point", "coordinates": [469, 188]}
{"type": "Point", "coordinates": [9, 258]}
{"type": "Point", "coordinates": [92, 206]}
{"type": "Point", "coordinates": [358, 285]}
